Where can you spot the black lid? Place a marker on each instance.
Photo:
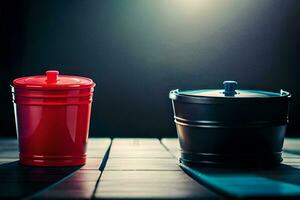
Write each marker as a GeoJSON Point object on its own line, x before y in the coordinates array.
{"type": "Point", "coordinates": [229, 93]}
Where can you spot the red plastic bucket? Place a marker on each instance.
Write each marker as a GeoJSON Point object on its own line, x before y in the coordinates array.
{"type": "Point", "coordinates": [52, 115]}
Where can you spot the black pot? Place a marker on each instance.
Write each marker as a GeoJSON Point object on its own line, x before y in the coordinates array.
{"type": "Point", "coordinates": [230, 127]}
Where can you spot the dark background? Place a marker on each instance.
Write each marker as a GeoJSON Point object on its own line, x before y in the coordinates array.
{"type": "Point", "coordinates": [137, 51]}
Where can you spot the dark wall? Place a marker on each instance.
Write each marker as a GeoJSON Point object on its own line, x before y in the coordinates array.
{"type": "Point", "coordinates": [138, 50]}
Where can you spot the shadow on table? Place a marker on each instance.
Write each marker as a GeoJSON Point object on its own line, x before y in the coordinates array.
{"type": "Point", "coordinates": [279, 182]}
{"type": "Point", "coordinates": [18, 181]}
{"type": "Point", "coordinates": [282, 173]}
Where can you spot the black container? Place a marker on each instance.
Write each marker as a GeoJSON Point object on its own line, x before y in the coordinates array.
{"type": "Point", "coordinates": [230, 127]}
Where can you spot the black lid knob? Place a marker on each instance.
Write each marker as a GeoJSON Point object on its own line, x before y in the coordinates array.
{"type": "Point", "coordinates": [229, 88]}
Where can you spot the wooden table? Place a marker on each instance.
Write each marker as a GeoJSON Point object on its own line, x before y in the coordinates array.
{"type": "Point", "coordinates": [143, 169]}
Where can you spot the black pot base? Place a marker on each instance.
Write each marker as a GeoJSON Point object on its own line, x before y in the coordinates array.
{"type": "Point", "coordinates": [240, 160]}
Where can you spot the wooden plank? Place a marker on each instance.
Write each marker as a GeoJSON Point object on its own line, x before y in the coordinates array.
{"type": "Point", "coordinates": [85, 176]}
{"type": "Point", "coordinates": [150, 185]}
{"type": "Point", "coordinates": [92, 164]}
{"type": "Point", "coordinates": [8, 142]}
{"type": "Point", "coordinates": [51, 182]}
{"type": "Point", "coordinates": [98, 143]}
{"type": "Point", "coordinates": [148, 174]}
{"type": "Point", "coordinates": [9, 154]}
{"type": "Point", "coordinates": [7, 160]}
{"type": "Point", "coordinates": [94, 154]}
{"type": "Point", "coordinates": [79, 186]}
{"type": "Point", "coordinates": [9, 149]}
{"type": "Point", "coordinates": [142, 164]}
{"type": "Point", "coordinates": [138, 148]}
{"type": "Point", "coordinates": [81, 191]}
{"type": "Point", "coordinates": [289, 155]}
{"type": "Point", "coordinates": [82, 183]}
{"type": "Point", "coordinates": [139, 154]}
{"type": "Point", "coordinates": [145, 170]}
{"type": "Point", "coordinates": [136, 142]}
{"type": "Point", "coordinates": [97, 147]}
{"type": "Point", "coordinates": [172, 144]}
{"type": "Point", "coordinates": [291, 159]}
{"type": "Point", "coordinates": [292, 144]}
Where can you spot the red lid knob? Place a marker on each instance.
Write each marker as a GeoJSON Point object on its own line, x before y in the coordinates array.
{"type": "Point", "coordinates": [52, 76]}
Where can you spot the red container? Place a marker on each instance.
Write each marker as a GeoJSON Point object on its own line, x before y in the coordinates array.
{"type": "Point", "coordinates": [52, 116]}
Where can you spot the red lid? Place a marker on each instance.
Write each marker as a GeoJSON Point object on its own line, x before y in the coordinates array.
{"type": "Point", "coordinates": [52, 80]}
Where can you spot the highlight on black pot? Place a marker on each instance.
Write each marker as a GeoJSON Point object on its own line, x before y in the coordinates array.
{"type": "Point", "coordinates": [230, 126]}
